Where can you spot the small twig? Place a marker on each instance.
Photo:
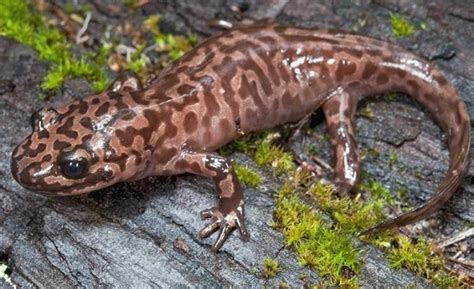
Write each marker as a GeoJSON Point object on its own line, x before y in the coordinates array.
{"type": "Point", "coordinates": [464, 262]}
{"type": "Point", "coordinates": [127, 50]}
{"type": "Point", "coordinates": [456, 238]}
{"type": "Point", "coordinates": [79, 36]}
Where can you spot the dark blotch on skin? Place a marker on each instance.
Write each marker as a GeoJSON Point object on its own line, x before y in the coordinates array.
{"type": "Point", "coordinates": [344, 68]}
{"type": "Point", "coordinates": [373, 52]}
{"type": "Point", "coordinates": [226, 127]}
{"type": "Point", "coordinates": [190, 123]}
{"type": "Point", "coordinates": [103, 109]}
{"type": "Point", "coordinates": [46, 158]}
{"type": "Point", "coordinates": [181, 165]}
{"type": "Point", "coordinates": [355, 53]}
{"type": "Point", "coordinates": [126, 136]}
{"type": "Point", "coordinates": [43, 134]}
{"type": "Point", "coordinates": [226, 67]}
{"type": "Point", "coordinates": [185, 89]}
{"type": "Point", "coordinates": [60, 145]}
{"type": "Point", "coordinates": [137, 96]}
{"type": "Point", "coordinates": [86, 122]}
{"type": "Point", "coordinates": [32, 153]}
{"type": "Point", "coordinates": [263, 80]}
{"type": "Point", "coordinates": [369, 69]}
{"type": "Point", "coordinates": [413, 85]}
{"type": "Point", "coordinates": [83, 107]}
{"type": "Point", "coordinates": [164, 155]}
{"type": "Point", "coordinates": [211, 104]}
{"type": "Point", "coordinates": [67, 128]}
{"type": "Point", "coordinates": [195, 167]}
{"type": "Point", "coordinates": [382, 79]}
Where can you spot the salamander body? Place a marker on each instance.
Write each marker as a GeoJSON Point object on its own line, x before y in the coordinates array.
{"type": "Point", "coordinates": [245, 79]}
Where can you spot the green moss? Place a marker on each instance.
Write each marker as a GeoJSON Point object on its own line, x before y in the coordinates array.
{"type": "Point", "coordinates": [174, 45]}
{"type": "Point", "coordinates": [138, 60]}
{"type": "Point", "coordinates": [374, 153]}
{"type": "Point", "coordinates": [420, 258]}
{"type": "Point", "coordinates": [392, 96]}
{"type": "Point", "coordinates": [76, 69]}
{"type": "Point", "coordinates": [352, 214]}
{"type": "Point", "coordinates": [310, 149]}
{"type": "Point", "coordinates": [18, 20]}
{"type": "Point", "coordinates": [245, 144]}
{"type": "Point", "coordinates": [366, 112]}
{"type": "Point", "coordinates": [318, 246]}
{"type": "Point", "coordinates": [401, 27]}
{"type": "Point", "coordinates": [379, 192]}
{"type": "Point", "coordinates": [402, 192]}
{"type": "Point", "coordinates": [248, 176]}
{"type": "Point", "coordinates": [269, 154]}
{"type": "Point", "coordinates": [284, 285]}
{"type": "Point", "coordinates": [393, 159]}
{"type": "Point", "coordinates": [271, 268]}
{"type": "Point", "coordinates": [130, 3]}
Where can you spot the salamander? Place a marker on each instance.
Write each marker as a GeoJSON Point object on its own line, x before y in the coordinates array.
{"type": "Point", "coordinates": [245, 79]}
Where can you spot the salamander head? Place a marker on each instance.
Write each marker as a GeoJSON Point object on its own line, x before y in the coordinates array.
{"type": "Point", "coordinates": [70, 150]}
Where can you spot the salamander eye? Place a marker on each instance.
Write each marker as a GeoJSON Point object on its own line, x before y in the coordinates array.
{"type": "Point", "coordinates": [74, 169]}
{"type": "Point", "coordinates": [74, 164]}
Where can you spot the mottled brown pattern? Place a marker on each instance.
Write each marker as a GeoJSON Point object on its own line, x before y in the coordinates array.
{"type": "Point", "coordinates": [246, 79]}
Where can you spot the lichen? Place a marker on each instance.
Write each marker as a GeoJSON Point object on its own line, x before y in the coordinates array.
{"type": "Point", "coordinates": [5, 274]}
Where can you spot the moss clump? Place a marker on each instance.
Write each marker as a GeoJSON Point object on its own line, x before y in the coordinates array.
{"type": "Point", "coordinates": [271, 268]}
{"type": "Point", "coordinates": [264, 150]}
{"type": "Point", "coordinates": [247, 176]}
{"type": "Point", "coordinates": [367, 112]}
{"type": "Point", "coordinates": [401, 27]}
{"type": "Point", "coordinates": [269, 154]}
{"type": "Point", "coordinates": [19, 21]}
{"type": "Point", "coordinates": [420, 258]}
{"type": "Point", "coordinates": [130, 3]}
{"type": "Point", "coordinates": [244, 144]}
{"type": "Point", "coordinates": [174, 45]}
{"type": "Point", "coordinates": [393, 159]}
{"type": "Point", "coordinates": [352, 213]}
{"type": "Point", "coordinates": [325, 249]}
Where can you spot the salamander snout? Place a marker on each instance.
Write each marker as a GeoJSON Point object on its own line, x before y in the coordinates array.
{"type": "Point", "coordinates": [26, 169]}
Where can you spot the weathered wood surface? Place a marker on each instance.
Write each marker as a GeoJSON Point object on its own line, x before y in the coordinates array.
{"type": "Point", "coordinates": [128, 235]}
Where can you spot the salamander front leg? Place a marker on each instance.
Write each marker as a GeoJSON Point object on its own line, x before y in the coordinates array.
{"type": "Point", "coordinates": [339, 111]}
{"type": "Point", "coordinates": [229, 213]}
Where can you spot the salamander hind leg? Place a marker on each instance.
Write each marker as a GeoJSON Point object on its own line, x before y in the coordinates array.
{"type": "Point", "coordinates": [229, 213]}
{"type": "Point", "coordinates": [339, 111]}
